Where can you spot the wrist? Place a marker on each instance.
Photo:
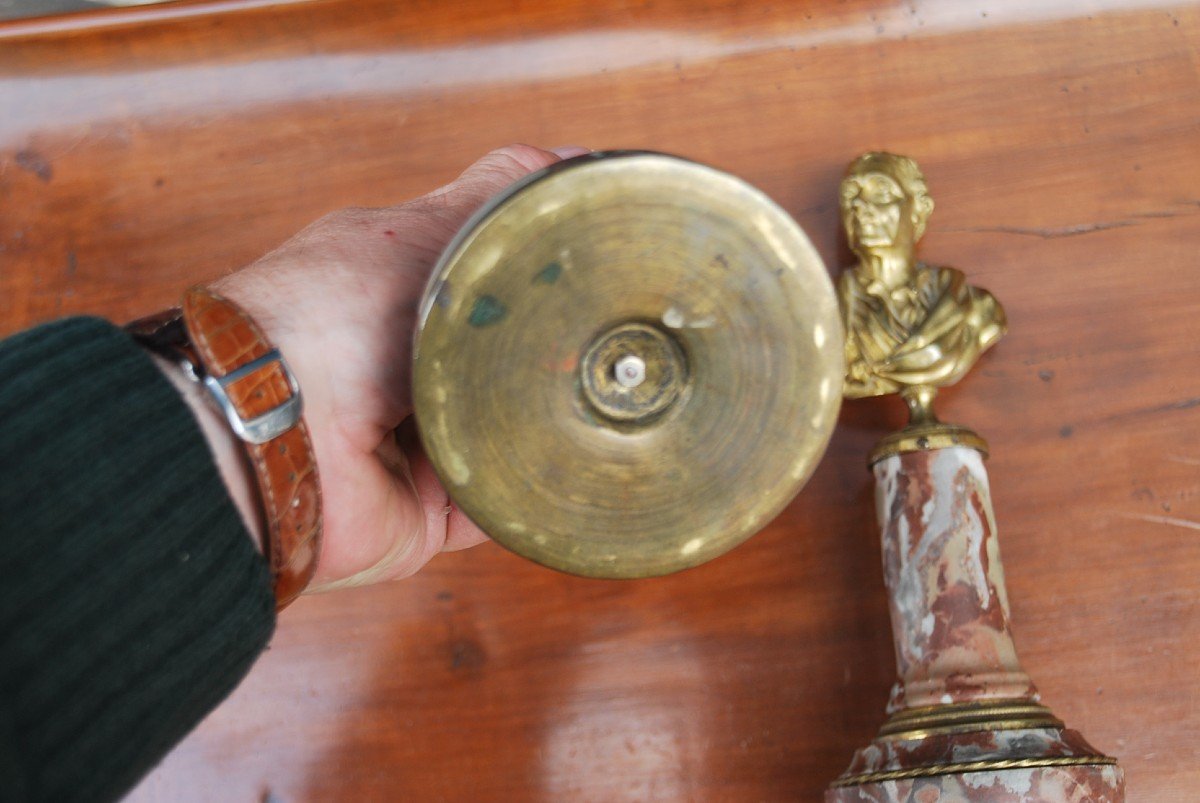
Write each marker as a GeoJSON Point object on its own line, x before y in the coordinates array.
{"type": "Point", "coordinates": [244, 384]}
{"type": "Point", "coordinates": [226, 449]}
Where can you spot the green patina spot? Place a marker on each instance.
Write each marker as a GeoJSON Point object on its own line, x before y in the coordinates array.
{"type": "Point", "coordinates": [548, 274]}
{"type": "Point", "coordinates": [487, 311]}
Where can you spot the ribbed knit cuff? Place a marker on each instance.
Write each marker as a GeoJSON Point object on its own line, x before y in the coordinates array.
{"type": "Point", "coordinates": [132, 600]}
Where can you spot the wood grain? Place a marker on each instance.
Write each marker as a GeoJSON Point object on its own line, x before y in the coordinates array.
{"type": "Point", "coordinates": [1062, 145]}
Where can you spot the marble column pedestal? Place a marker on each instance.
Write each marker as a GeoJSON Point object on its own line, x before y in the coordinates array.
{"type": "Point", "coordinates": [966, 722]}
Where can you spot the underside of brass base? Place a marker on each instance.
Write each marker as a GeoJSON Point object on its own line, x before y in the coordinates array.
{"type": "Point", "coordinates": [627, 365]}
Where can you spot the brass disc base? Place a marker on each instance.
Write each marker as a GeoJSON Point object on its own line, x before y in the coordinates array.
{"type": "Point", "coordinates": [627, 364]}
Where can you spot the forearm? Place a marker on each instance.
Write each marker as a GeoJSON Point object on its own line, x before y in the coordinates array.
{"type": "Point", "coordinates": [130, 600]}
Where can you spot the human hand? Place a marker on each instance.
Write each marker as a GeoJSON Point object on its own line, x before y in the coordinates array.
{"type": "Point", "coordinates": [339, 300]}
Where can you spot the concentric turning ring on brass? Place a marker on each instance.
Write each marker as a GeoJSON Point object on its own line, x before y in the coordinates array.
{"type": "Point", "coordinates": [627, 364]}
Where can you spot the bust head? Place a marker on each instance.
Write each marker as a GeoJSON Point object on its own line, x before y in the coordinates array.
{"type": "Point", "coordinates": [884, 203]}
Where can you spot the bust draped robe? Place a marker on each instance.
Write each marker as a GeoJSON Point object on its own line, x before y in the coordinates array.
{"type": "Point", "coordinates": [927, 333]}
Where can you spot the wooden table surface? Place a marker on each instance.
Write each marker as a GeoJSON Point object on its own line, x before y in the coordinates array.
{"type": "Point", "coordinates": [144, 150]}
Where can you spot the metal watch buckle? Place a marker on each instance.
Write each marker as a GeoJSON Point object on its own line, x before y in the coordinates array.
{"type": "Point", "coordinates": [269, 425]}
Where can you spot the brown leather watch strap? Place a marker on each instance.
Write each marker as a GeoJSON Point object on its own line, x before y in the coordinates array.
{"type": "Point", "coordinates": [242, 365]}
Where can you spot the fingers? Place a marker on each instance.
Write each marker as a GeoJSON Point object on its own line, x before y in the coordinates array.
{"type": "Point", "coordinates": [417, 520]}
{"type": "Point", "coordinates": [415, 233]}
{"type": "Point", "coordinates": [374, 523]}
{"type": "Point", "coordinates": [570, 151]}
{"type": "Point", "coordinates": [386, 514]}
{"type": "Point", "coordinates": [494, 172]}
{"type": "Point", "coordinates": [447, 528]}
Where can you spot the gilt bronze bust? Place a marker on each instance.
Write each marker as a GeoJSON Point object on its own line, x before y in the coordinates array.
{"type": "Point", "coordinates": [911, 328]}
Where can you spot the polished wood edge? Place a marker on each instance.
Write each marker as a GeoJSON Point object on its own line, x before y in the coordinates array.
{"type": "Point", "coordinates": [78, 22]}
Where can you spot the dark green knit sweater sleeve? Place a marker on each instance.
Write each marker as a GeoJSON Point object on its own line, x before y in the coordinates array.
{"type": "Point", "coordinates": [132, 600]}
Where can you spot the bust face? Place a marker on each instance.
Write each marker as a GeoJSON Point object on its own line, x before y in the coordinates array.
{"type": "Point", "coordinates": [876, 212]}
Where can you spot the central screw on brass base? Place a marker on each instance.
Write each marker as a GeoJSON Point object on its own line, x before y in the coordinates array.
{"type": "Point", "coordinates": [633, 373]}
{"type": "Point", "coordinates": [630, 371]}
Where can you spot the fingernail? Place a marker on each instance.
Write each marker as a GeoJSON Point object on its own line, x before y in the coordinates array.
{"type": "Point", "coordinates": [569, 151]}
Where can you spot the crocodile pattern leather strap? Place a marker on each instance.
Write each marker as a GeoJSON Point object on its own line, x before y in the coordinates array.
{"type": "Point", "coordinates": [257, 384]}
{"type": "Point", "coordinates": [219, 346]}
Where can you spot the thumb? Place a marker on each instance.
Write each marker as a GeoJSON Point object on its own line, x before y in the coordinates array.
{"type": "Point", "coordinates": [494, 172]}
